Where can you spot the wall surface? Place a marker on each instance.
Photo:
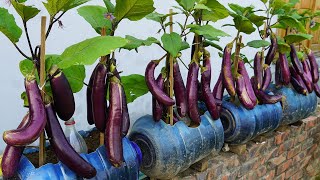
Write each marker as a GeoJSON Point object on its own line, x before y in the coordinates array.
{"type": "Point", "coordinates": [75, 30]}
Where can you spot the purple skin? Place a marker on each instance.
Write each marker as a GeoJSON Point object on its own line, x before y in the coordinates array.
{"type": "Point", "coordinates": [62, 96]}
{"type": "Point", "coordinates": [192, 92]}
{"type": "Point", "coordinates": [157, 108]}
{"type": "Point", "coordinates": [258, 71]}
{"type": "Point", "coordinates": [11, 156]}
{"type": "Point", "coordinates": [228, 80]}
{"type": "Point", "coordinates": [90, 118]}
{"type": "Point", "coordinates": [297, 82]}
{"type": "Point", "coordinates": [307, 82]}
{"type": "Point", "coordinates": [208, 96]}
{"type": "Point", "coordinates": [272, 51]}
{"type": "Point", "coordinates": [155, 90]}
{"type": "Point", "coordinates": [113, 139]}
{"type": "Point", "coordinates": [313, 66]}
{"type": "Point", "coordinates": [180, 91]}
{"type": "Point", "coordinates": [295, 61]}
{"type": "Point", "coordinates": [38, 118]}
{"type": "Point", "coordinates": [99, 89]}
{"type": "Point", "coordinates": [266, 78]}
{"type": "Point", "coordinates": [278, 75]}
{"type": "Point", "coordinates": [306, 69]}
{"type": "Point", "coordinates": [218, 92]}
{"type": "Point", "coordinates": [242, 70]}
{"type": "Point", "coordinates": [265, 98]}
{"type": "Point", "coordinates": [62, 148]}
{"type": "Point", "coordinates": [316, 89]}
{"type": "Point", "coordinates": [284, 68]}
{"type": "Point", "coordinates": [242, 93]}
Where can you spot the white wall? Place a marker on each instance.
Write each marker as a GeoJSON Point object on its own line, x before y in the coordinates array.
{"type": "Point", "coordinates": [75, 30]}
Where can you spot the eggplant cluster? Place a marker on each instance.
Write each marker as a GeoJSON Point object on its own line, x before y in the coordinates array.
{"type": "Point", "coordinates": [43, 115]}
{"type": "Point", "coordinates": [113, 120]}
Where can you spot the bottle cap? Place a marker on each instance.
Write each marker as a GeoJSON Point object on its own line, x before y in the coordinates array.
{"type": "Point", "coordinates": [70, 122]}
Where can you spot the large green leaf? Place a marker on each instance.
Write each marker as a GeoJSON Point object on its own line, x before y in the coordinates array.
{"type": "Point", "coordinates": [25, 12]}
{"type": "Point", "coordinates": [258, 43]}
{"type": "Point", "coordinates": [109, 5]}
{"type": "Point", "coordinates": [154, 16]}
{"type": "Point", "coordinates": [218, 11]}
{"type": "Point", "coordinates": [74, 4]}
{"type": "Point", "coordinates": [172, 43]}
{"type": "Point", "coordinates": [243, 24]}
{"type": "Point", "coordinates": [94, 15]}
{"type": "Point", "coordinates": [212, 44]}
{"type": "Point", "coordinates": [134, 43]}
{"type": "Point", "coordinates": [88, 51]}
{"type": "Point", "coordinates": [134, 86]}
{"type": "Point", "coordinates": [8, 26]}
{"type": "Point", "coordinates": [208, 31]}
{"type": "Point", "coordinates": [257, 20]}
{"type": "Point", "coordinates": [75, 75]}
{"type": "Point", "coordinates": [294, 38]}
{"type": "Point", "coordinates": [26, 67]}
{"type": "Point", "coordinates": [283, 47]}
{"type": "Point", "coordinates": [186, 4]}
{"type": "Point", "coordinates": [134, 10]}
{"type": "Point", "coordinates": [292, 22]}
{"type": "Point", "coordinates": [202, 6]}
{"type": "Point", "coordinates": [55, 6]}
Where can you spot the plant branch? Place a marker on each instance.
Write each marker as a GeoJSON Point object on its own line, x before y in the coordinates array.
{"type": "Point", "coordinates": [237, 55]}
{"type": "Point", "coordinates": [185, 24]}
{"type": "Point", "coordinates": [53, 20]}
{"type": "Point", "coordinates": [28, 38]}
{"type": "Point", "coordinates": [183, 63]}
{"type": "Point", "coordinates": [20, 51]}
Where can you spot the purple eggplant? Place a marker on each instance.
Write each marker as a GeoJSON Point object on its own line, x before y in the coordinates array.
{"type": "Point", "coordinates": [157, 108]}
{"type": "Point", "coordinates": [155, 90]}
{"type": "Point", "coordinates": [62, 148]}
{"type": "Point", "coordinates": [272, 50]}
{"type": "Point", "coordinates": [38, 118]}
{"type": "Point", "coordinates": [316, 89]}
{"type": "Point", "coordinates": [308, 82]}
{"type": "Point", "coordinates": [113, 139]}
{"type": "Point", "coordinates": [313, 66]}
{"type": "Point", "coordinates": [278, 78]}
{"type": "Point", "coordinates": [11, 155]}
{"type": "Point", "coordinates": [295, 61]}
{"type": "Point", "coordinates": [180, 91]}
{"type": "Point", "coordinates": [218, 92]}
{"type": "Point", "coordinates": [99, 102]}
{"type": "Point", "coordinates": [306, 69]}
{"type": "Point", "coordinates": [242, 70]}
{"type": "Point", "coordinates": [284, 68]}
{"type": "Point", "coordinates": [242, 92]}
{"type": "Point", "coordinates": [227, 79]}
{"type": "Point", "coordinates": [266, 78]}
{"type": "Point", "coordinates": [258, 71]}
{"type": "Point", "coordinates": [62, 94]}
{"type": "Point", "coordinates": [297, 82]}
{"type": "Point", "coordinates": [90, 117]}
{"type": "Point", "coordinates": [209, 99]}
{"type": "Point", "coordinates": [265, 98]}
{"type": "Point", "coordinates": [192, 92]}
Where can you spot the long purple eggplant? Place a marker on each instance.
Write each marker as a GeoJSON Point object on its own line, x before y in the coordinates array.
{"type": "Point", "coordinates": [157, 108]}
{"type": "Point", "coordinates": [90, 117]}
{"type": "Point", "coordinates": [265, 98]}
{"type": "Point", "coordinates": [218, 92]}
{"type": "Point", "coordinates": [266, 78]}
{"type": "Point", "coordinates": [27, 135]}
{"type": "Point", "coordinates": [209, 99]}
{"type": "Point", "coordinates": [242, 93]}
{"type": "Point", "coordinates": [272, 50]}
{"type": "Point", "coordinates": [258, 70]}
{"type": "Point", "coordinates": [227, 79]}
{"type": "Point", "coordinates": [192, 92]}
{"type": "Point", "coordinates": [278, 77]}
{"type": "Point", "coordinates": [99, 90]}
{"type": "Point", "coordinates": [316, 89]}
{"type": "Point", "coordinates": [113, 139]}
{"type": "Point", "coordinates": [313, 66]}
{"type": "Point", "coordinates": [11, 155]}
{"type": "Point", "coordinates": [297, 82]}
{"type": "Point", "coordinates": [62, 148]}
{"type": "Point", "coordinates": [306, 69]}
{"type": "Point", "coordinates": [155, 90]}
{"type": "Point", "coordinates": [308, 82]}
{"type": "Point", "coordinates": [284, 68]}
{"type": "Point", "coordinates": [180, 91]}
{"type": "Point", "coordinates": [62, 94]}
{"type": "Point", "coordinates": [295, 60]}
{"type": "Point", "coordinates": [242, 70]}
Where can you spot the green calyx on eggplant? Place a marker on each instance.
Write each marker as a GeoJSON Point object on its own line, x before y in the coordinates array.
{"type": "Point", "coordinates": [62, 94]}
{"type": "Point", "coordinates": [38, 118]}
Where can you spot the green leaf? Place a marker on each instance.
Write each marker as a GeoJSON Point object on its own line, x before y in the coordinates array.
{"type": "Point", "coordinates": [150, 41]}
{"type": "Point", "coordinates": [279, 26]}
{"type": "Point", "coordinates": [241, 10]}
{"type": "Point", "coordinates": [282, 46]}
{"type": "Point", "coordinates": [257, 20]}
{"type": "Point", "coordinates": [300, 55]}
{"type": "Point", "coordinates": [8, 26]}
{"type": "Point", "coordinates": [156, 17]}
{"type": "Point", "coordinates": [55, 6]}
{"type": "Point", "coordinates": [88, 51]}
{"type": "Point", "coordinates": [186, 4]}
{"type": "Point", "coordinates": [202, 6]}
{"type": "Point", "coordinates": [74, 3]}
{"type": "Point", "coordinates": [292, 22]}
{"type": "Point", "coordinates": [26, 12]}
{"type": "Point", "coordinates": [24, 97]}
{"type": "Point", "coordinates": [243, 24]}
{"type": "Point", "coordinates": [184, 45]}
{"type": "Point", "coordinates": [172, 43]}
{"type": "Point", "coordinates": [315, 27]}
{"type": "Point", "coordinates": [210, 43]}
{"type": "Point", "coordinates": [208, 31]}
{"type": "Point", "coordinates": [135, 86]}
{"type": "Point", "coordinates": [134, 10]}
{"type": "Point", "coordinates": [109, 6]}
{"type": "Point", "coordinates": [134, 43]}
{"type": "Point", "coordinates": [218, 11]}
{"type": "Point", "coordinates": [258, 43]}
{"type": "Point", "coordinates": [94, 15]}
{"type": "Point", "coordinates": [75, 75]}
{"type": "Point", "coordinates": [264, 1]}
{"type": "Point", "coordinates": [26, 66]}
{"type": "Point", "coordinates": [294, 38]}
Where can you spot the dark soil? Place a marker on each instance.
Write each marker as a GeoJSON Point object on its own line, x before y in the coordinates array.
{"type": "Point", "coordinates": [92, 142]}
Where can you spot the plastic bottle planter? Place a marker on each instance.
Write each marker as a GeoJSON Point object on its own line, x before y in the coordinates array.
{"type": "Point", "coordinates": [168, 150]}
{"type": "Point", "coordinates": [241, 125]}
{"type": "Point", "coordinates": [128, 171]}
{"type": "Point", "coordinates": [296, 106]}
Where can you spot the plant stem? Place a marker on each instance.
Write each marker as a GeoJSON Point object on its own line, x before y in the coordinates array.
{"type": "Point", "coordinates": [52, 21]}
{"type": "Point", "coordinates": [20, 51]}
{"type": "Point", "coordinates": [185, 24]}
{"type": "Point", "coordinates": [237, 55]}
{"type": "Point", "coordinates": [184, 64]}
{"type": "Point", "coordinates": [28, 38]}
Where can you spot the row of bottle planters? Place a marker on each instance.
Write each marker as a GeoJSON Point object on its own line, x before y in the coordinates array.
{"type": "Point", "coordinates": [162, 151]}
